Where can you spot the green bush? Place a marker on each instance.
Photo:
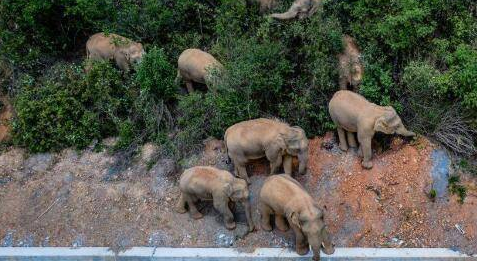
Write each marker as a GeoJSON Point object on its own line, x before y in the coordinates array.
{"type": "Point", "coordinates": [68, 108]}
{"type": "Point", "coordinates": [155, 75]}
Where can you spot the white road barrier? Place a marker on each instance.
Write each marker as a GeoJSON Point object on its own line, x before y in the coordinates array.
{"type": "Point", "coordinates": [219, 254]}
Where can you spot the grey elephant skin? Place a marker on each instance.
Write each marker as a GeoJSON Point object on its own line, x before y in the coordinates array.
{"type": "Point", "coordinates": [286, 199]}
{"type": "Point", "coordinates": [300, 8]}
{"type": "Point", "coordinates": [351, 68]}
{"type": "Point", "coordinates": [273, 139]}
{"type": "Point", "coordinates": [107, 47]}
{"type": "Point", "coordinates": [195, 65]}
{"type": "Point", "coordinates": [220, 186]}
{"type": "Point", "coordinates": [352, 113]}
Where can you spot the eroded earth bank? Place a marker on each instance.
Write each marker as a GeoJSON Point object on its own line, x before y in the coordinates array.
{"type": "Point", "coordinates": [76, 198]}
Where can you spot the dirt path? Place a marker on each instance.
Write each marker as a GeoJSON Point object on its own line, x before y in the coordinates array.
{"type": "Point", "coordinates": [70, 199]}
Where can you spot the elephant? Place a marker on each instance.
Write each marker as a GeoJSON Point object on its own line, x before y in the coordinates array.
{"type": "Point", "coordinates": [273, 139]}
{"type": "Point", "coordinates": [351, 69]}
{"type": "Point", "coordinates": [285, 198]}
{"type": "Point", "coordinates": [351, 113]}
{"type": "Point", "coordinates": [194, 65]}
{"type": "Point", "coordinates": [300, 8]}
{"type": "Point", "coordinates": [220, 186]}
{"type": "Point", "coordinates": [122, 50]}
{"type": "Point", "coordinates": [265, 5]}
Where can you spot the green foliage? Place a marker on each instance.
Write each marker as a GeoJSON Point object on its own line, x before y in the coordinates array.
{"type": "Point", "coordinates": [433, 194]}
{"type": "Point", "coordinates": [456, 188]}
{"type": "Point", "coordinates": [67, 108]}
{"type": "Point", "coordinates": [420, 56]}
{"type": "Point", "coordinates": [155, 75]}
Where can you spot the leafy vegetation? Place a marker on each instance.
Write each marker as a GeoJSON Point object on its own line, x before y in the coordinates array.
{"type": "Point", "coordinates": [420, 56]}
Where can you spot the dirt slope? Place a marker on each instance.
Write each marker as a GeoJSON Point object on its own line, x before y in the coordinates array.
{"type": "Point", "coordinates": [79, 199]}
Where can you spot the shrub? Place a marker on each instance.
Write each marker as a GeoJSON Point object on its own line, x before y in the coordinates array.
{"type": "Point", "coordinates": [155, 75]}
{"type": "Point", "coordinates": [67, 108]}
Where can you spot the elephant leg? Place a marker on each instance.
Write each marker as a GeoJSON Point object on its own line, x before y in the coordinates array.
{"type": "Point", "coordinates": [287, 164]}
{"type": "Point", "coordinates": [181, 205]}
{"type": "Point", "coordinates": [343, 84]}
{"type": "Point", "coordinates": [301, 244]}
{"type": "Point", "coordinates": [242, 173]}
{"type": "Point", "coordinates": [342, 139]}
{"type": "Point", "coordinates": [265, 212]}
{"type": "Point", "coordinates": [366, 150]}
{"type": "Point", "coordinates": [360, 151]}
{"type": "Point", "coordinates": [191, 200]}
{"type": "Point", "coordinates": [275, 164]}
{"type": "Point", "coordinates": [280, 222]}
{"type": "Point", "coordinates": [189, 86]}
{"type": "Point", "coordinates": [222, 205]}
{"type": "Point", "coordinates": [351, 139]}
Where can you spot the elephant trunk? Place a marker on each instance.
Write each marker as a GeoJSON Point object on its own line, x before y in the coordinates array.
{"type": "Point", "coordinates": [315, 243]}
{"type": "Point", "coordinates": [404, 132]}
{"type": "Point", "coordinates": [248, 215]}
{"type": "Point", "coordinates": [290, 14]}
{"type": "Point", "coordinates": [303, 162]}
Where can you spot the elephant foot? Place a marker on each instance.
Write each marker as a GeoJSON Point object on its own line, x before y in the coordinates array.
{"type": "Point", "coordinates": [197, 215]}
{"type": "Point", "coordinates": [302, 250]}
{"type": "Point", "coordinates": [367, 164]}
{"type": "Point", "coordinates": [251, 228]}
{"type": "Point", "coordinates": [343, 147]}
{"type": "Point", "coordinates": [230, 225]}
{"type": "Point", "coordinates": [266, 227]}
{"type": "Point", "coordinates": [181, 210]}
{"type": "Point", "coordinates": [282, 226]}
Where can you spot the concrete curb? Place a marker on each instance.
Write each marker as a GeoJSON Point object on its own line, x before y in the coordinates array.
{"type": "Point", "coordinates": [219, 254]}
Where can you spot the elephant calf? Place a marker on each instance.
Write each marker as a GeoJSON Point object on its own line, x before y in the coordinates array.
{"type": "Point", "coordinates": [194, 65]}
{"type": "Point", "coordinates": [273, 139]}
{"type": "Point", "coordinates": [351, 69]}
{"type": "Point", "coordinates": [351, 113]}
{"type": "Point", "coordinates": [114, 47]}
{"type": "Point", "coordinates": [285, 198]}
{"type": "Point", "coordinates": [300, 8]}
{"type": "Point", "coordinates": [220, 186]}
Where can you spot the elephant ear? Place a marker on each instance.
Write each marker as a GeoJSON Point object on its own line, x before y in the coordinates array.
{"type": "Point", "coordinates": [125, 52]}
{"type": "Point", "coordinates": [383, 122]}
{"type": "Point", "coordinates": [228, 189]}
{"type": "Point", "coordinates": [295, 219]}
{"type": "Point", "coordinates": [293, 138]}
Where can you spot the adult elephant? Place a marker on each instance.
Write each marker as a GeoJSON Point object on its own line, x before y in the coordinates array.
{"type": "Point", "coordinates": [107, 47]}
{"type": "Point", "coordinates": [299, 8]}
{"type": "Point", "coordinates": [195, 65]}
{"type": "Point", "coordinates": [273, 139]}
{"type": "Point", "coordinates": [286, 199]}
{"type": "Point", "coordinates": [352, 113]}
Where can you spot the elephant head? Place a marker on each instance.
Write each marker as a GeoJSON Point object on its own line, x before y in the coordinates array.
{"type": "Point", "coordinates": [296, 144]}
{"type": "Point", "coordinates": [133, 52]}
{"type": "Point", "coordinates": [389, 122]}
{"type": "Point", "coordinates": [237, 191]}
{"type": "Point", "coordinates": [312, 224]}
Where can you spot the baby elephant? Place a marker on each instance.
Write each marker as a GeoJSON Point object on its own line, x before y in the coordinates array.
{"type": "Point", "coordinates": [351, 69]}
{"type": "Point", "coordinates": [273, 139]}
{"type": "Point", "coordinates": [300, 8]}
{"type": "Point", "coordinates": [220, 186]}
{"type": "Point", "coordinates": [194, 65]}
{"type": "Point", "coordinates": [285, 198]}
{"type": "Point", "coordinates": [123, 51]}
{"type": "Point", "coordinates": [351, 113]}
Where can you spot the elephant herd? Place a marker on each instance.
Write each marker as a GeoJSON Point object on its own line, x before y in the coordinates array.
{"type": "Point", "coordinates": [281, 196]}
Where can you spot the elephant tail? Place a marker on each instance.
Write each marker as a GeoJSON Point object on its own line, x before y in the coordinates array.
{"type": "Point", "coordinates": [178, 77]}
{"type": "Point", "coordinates": [229, 160]}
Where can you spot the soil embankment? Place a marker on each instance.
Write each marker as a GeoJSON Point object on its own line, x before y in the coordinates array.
{"type": "Point", "coordinates": [79, 199]}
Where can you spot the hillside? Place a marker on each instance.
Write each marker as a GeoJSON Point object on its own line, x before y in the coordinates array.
{"type": "Point", "coordinates": [71, 199]}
